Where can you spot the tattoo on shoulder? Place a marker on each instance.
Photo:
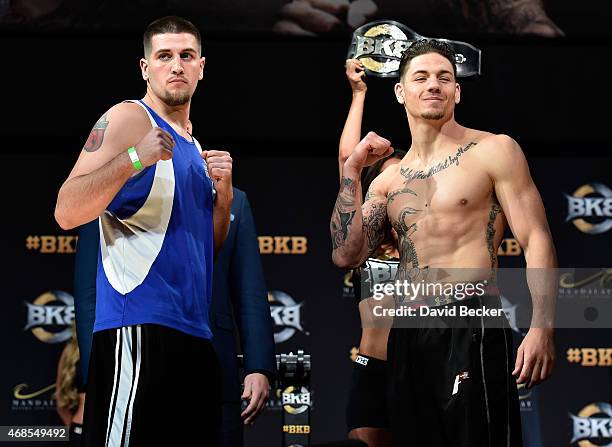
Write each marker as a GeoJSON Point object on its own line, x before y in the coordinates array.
{"type": "Point", "coordinates": [96, 136]}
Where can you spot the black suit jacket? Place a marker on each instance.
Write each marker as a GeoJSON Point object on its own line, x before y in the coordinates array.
{"type": "Point", "coordinates": [240, 296]}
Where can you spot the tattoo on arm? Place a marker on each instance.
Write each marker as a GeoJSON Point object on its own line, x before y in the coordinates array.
{"type": "Point", "coordinates": [96, 136]}
{"type": "Point", "coordinates": [344, 211]}
{"type": "Point", "coordinates": [490, 231]}
{"type": "Point", "coordinates": [410, 268]}
{"type": "Point", "coordinates": [374, 225]}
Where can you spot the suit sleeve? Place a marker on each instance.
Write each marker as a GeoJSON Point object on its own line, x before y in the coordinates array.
{"type": "Point", "coordinates": [85, 271]}
{"type": "Point", "coordinates": [249, 296]}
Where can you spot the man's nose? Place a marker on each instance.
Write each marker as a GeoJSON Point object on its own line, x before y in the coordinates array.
{"type": "Point", "coordinates": [177, 66]}
{"type": "Point", "coordinates": [433, 85]}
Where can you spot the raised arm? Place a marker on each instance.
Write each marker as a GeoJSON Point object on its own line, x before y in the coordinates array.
{"type": "Point", "coordinates": [351, 133]}
{"type": "Point", "coordinates": [524, 210]}
{"type": "Point", "coordinates": [220, 170]}
{"type": "Point", "coordinates": [357, 229]}
{"type": "Point", "coordinates": [104, 164]}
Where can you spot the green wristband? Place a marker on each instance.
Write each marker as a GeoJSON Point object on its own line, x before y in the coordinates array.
{"type": "Point", "coordinates": [134, 157]}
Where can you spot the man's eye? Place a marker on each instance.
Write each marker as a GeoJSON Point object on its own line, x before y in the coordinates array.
{"type": "Point", "coordinates": [444, 79]}
{"type": "Point", "coordinates": [164, 57]}
{"type": "Point", "coordinates": [420, 79]}
{"type": "Point", "coordinates": [186, 56]}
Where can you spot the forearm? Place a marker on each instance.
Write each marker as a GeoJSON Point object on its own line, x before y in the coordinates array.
{"type": "Point", "coordinates": [542, 278]}
{"type": "Point", "coordinates": [83, 198]}
{"type": "Point", "coordinates": [65, 415]}
{"type": "Point", "coordinates": [351, 133]}
{"type": "Point", "coordinates": [221, 222]}
{"type": "Point", "coordinates": [346, 224]}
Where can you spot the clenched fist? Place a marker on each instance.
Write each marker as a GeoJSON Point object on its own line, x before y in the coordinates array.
{"type": "Point", "coordinates": [355, 72]}
{"type": "Point", "coordinates": [156, 145]}
{"type": "Point", "coordinates": [368, 151]}
{"type": "Point", "coordinates": [220, 171]}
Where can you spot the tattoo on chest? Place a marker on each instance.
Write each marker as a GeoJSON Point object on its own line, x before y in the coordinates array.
{"type": "Point", "coordinates": [96, 136]}
{"type": "Point", "coordinates": [490, 231]}
{"type": "Point", "coordinates": [451, 160]}
{"type": "Point", "coordinates": [392, 195]}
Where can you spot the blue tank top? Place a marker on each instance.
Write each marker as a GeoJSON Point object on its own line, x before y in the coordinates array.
{"type": "Point", "coordinates": [156, 245]}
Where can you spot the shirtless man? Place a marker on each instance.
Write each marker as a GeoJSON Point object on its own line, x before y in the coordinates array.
{"type": "Point", "coordinates": [449, 200]}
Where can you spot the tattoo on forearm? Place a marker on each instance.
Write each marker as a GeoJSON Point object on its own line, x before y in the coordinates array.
{"type": "Point", "coordinates": [344, 211]}
{"type": "Point", "coordinates": [451, 160]}
{"type": "Point", "coordinates": [490, 231]}
{"type": "Point", "coordinates": [96, 136]}
{"type": "Point", "coordinates": [348, 185]}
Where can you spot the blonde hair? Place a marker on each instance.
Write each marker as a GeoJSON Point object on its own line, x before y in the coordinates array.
{"type": "Point", "coordinates": [67, 395]}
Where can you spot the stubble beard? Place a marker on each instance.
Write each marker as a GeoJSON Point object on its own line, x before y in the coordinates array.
{"type": "Point", "coordinates": [433, 115]}
{"type": "Point", "coordinates": [176, 99]}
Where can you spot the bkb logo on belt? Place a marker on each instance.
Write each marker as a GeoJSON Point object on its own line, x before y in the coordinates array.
{"type": "Point", "coordinates": [380, 45]}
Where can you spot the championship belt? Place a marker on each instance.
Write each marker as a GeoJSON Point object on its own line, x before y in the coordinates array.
{"type": "Point", "coordinates": [380, 45]}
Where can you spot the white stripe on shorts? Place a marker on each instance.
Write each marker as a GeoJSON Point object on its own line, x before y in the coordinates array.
{"type": "Point", "coordinates": [126, 390]}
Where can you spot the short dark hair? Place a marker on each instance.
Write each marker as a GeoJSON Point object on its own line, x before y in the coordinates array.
{"type": "Point", "coordinates": [169, 24]}
{"type": "Point", "coordinates": [426, 46]}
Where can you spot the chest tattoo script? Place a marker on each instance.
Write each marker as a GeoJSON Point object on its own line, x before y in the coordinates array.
{"type": "Point", "coordinates": [451, 160]}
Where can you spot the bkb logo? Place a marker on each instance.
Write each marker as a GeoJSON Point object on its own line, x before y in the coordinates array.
{"type": "Point", "coordinates": [380, 46]}
{"type": "Point", "coordinates": [374, 272]}
{"type": "Point", "coordinates": [295, 401]}
{"type": "Point", "coordinates": [50, 316]}
{"type": "Point", "coordinates": [593, 426]}
{"type": "Point", "coordinates": [286, 314]}
{"type": "Point", "coordinates": [590, 208]}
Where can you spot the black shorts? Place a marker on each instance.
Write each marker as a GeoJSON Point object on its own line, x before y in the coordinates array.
{"type": "Point", "coordinates": [451, 384]}
{"type": "Point", "coordinates": [367, 401]}
{"type": "Point", "coordinates": [151, 385]}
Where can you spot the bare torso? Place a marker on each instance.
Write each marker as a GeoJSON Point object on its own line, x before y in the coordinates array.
{"type": "Point", "coordinates": [445, 213]}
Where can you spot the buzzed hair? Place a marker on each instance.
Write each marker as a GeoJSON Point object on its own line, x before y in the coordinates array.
{"type": "Point", "coordinates": [172, 25]}
{"type": "Point", "coordinates": [426, 46]}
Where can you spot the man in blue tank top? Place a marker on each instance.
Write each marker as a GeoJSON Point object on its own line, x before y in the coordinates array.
{"type": "Point", "coordinates": [164, 212]}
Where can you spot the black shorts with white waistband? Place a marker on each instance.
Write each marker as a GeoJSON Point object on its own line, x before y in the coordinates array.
{"type": "Point", "coordinates": [451, 384]}
{"type": "Point", "coordinates": [151, 385]}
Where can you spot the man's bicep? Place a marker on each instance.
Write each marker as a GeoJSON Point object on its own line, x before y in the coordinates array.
{"type": "Point", "coordinates": [518, 194]}
{"type": "Point", "coordinates": [374, 220]}
{"type": "Point", "coordinates": [122, 126]}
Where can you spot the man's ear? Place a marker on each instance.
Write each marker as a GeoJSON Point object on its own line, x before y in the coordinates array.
{"type": "Point", "coordinates": [144, 69]}
{"type": "Point", "coordinates": [399, 93]}
{"type": "Point", "coordinates": [457, 93]}
{"type": "Point", "coordinates": [202, 63]}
